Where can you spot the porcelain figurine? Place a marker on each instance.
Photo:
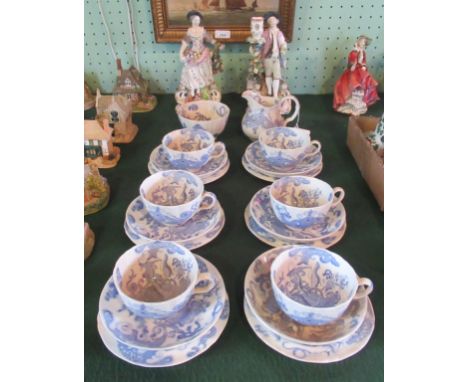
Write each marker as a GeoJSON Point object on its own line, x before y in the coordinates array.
{"type": "Point", "coordinates": [134, 87]}
{"type": "Point", "coordinates": [266, 112]}
{"type": "Point", "coordinates": [356, 89]}
{"type": "Point", "coordinates": [89, 98]}
{"type": "Point", "coordinates": [118, 111]}
{"type": "Point", "coordinates": [98, 144]}
{"type": "Point", "coordinates": [273, 53]}
{"type": "Point", "coordinates": [200, 64]}
{"type": "Point", "coordinates": [96, 190]}
{"type": "Point", "coordinates": [376, 137]}
{"type": "Point", "coordinates": [88, 241]}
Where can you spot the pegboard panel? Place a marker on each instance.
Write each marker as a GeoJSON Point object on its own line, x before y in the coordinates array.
{"type": "Point", "coordinates": [324, 33]}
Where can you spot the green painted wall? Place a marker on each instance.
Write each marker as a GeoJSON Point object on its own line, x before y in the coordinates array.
{"type": "Point", "coordinates": [324, 32]}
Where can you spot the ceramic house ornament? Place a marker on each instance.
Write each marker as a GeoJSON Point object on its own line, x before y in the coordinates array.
{"type": "Point", "coordinates": [134, 87]}
{"type": "Point", "coordinates": [356, 89]}
{"type": "Point", "coordinates": [200, 63]}
{"type": "Point", "coordinates": [118, 111]}
{"type": "Point", "coordinates": [89, 98]}
{"type": "Point", "coordinates": [96, 190]}
{"type": "Point", "coordinates": [88, 241]}
{"type": "Point", "coordinates": [98, 144]}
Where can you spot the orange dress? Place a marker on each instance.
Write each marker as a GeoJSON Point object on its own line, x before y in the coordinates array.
{"type": "Point", "coordinates": [352, 80]}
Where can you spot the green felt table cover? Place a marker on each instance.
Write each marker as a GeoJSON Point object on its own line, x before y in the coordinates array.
{"type": "Point", "coordinates": [238, 355]}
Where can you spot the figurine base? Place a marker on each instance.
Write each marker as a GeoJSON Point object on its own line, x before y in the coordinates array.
{"type": "Point", "coordinates": [354, 105]}
{"type": "Point", "coordinates": [100, 162]}
{"type": "Point", "coordinates": [145, 107]}
{"type": "Point", "coordinates": [132, 131]}
{"type": "Point", "coordinates": [208, 93]}
{"type": "Point", "coordinates": [89, 240]}
{"type": "Point", "coordinates": [90, 103]}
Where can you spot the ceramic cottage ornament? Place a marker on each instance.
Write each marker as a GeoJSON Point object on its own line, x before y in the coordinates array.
{"type": "Point", "coordinates": [356, 89]}
{"type": "Point", "coordinates": [96, 190]}
{"type": "Point", "coordinates": [135, 88]}
{"type": "Point", "coordinates": [98, 146]}
{"type": "Point", "coordinates": [200, 64]}
{"type": "Point", "coordinates": [89, 98]}
{"type": "Point", "coordinates": [88, 241]}
{"type": "Point", "coordinates": [118, 111]}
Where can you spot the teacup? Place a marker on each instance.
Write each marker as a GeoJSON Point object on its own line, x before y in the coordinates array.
{"type": "Point", "coordinates": [285, 147]}
{"type": "Point", "coordinates": [158, 278]}
{"type": "Point", "coordinates": [303, 201]}
{"type": "Point", "coordinates": [314, 286]}
{"type": "Point", "coordinates": [191, 148]}
{"type": "Point", "coordinates": [172, 197]}
{"type": "Point", "coordinates": [209, 115]}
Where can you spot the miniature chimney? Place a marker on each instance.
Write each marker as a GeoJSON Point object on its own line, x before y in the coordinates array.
{"type": "Point", "coordinates": [119, 68]}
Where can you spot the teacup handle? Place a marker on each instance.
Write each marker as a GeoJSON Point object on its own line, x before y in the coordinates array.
{"type": "Point", "coordinates": [208, 201]}
{"type": "Point", "coordinates": [219, 149]}
{"type": "Point", "coordinates": [207, 281]}
{"type": "Point", "coordinates": [318, 147]}
{"type": "Point", "coordinates": [296, 109]}
{"type": "Point", "coordinates": [340, 197]}
{"type": "Point", "coordinates": [365, 287]}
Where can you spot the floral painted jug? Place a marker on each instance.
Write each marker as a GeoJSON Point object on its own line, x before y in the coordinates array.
{"type": "Point", "coordinates": [266, 112]}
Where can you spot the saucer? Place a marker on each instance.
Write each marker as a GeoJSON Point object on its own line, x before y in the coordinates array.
{"type": "Point", "coordinates": [263, 305]}
{"type": "Point", "coordinates": [264, 216]}
{"type": "Point", "coordinates": [153, 358]}
{"type": "Point", "coordinates": [214, 169]}
{"type": "Point", "coordinates": [198, 315]}
{"type": "Point", "coordinates": [274, 241]}
{"type": "Point", "coordinates": [144, 225]}
{"type": "Point", "coordinates": [272, 178]}
{"type": "Point", "coordinates": [192, 243]}
{"type": "Point", "coordinates": [331, 352]}
{"type": "Point", "coordinates": [256, 159]}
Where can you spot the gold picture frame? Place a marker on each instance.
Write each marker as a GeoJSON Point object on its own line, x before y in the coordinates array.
{"type": "Point", "coordinates": [171, 25]}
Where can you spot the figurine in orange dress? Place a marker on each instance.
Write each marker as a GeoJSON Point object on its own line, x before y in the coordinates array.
{"type": "Point", "coordinates": [356, 89]}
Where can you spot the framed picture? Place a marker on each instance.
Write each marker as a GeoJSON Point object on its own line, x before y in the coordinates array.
{"type": "Point", "coordinates": [227, 20]}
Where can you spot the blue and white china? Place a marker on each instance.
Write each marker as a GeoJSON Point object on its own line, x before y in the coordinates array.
{"type": "Point", "coordinates": [199, 314]}
{"type": "Point", "coordinates": [211, 116]}
{"type": "Point", "coordinates": [191, 243]}
{"type": "Point", "coordinates": [154, 358]}
{"type": "Point", "coordinates": [260, 298]}
{"type": "Point", "coordinates": [255, 157]}
{"type": "Point", "coordinates": [285, 147]}
{"type": "Point", "coordinates": [214, 169]}
{"type": "Point", "coordinates": [143, 224]}
{"type": "Point", "coordinates": [157, 279]}
{"type": "Point", "coordinates": [271, 178]}
{"type": "Point", "coordinates": [191, 148]}
{"type": "Point", "coordinates": [323, 353]}
{"type": "Point", "coordinates": [302, 201]}
{"type": "Point", "coordinates": [314, 286]}
{"type": "Point", "coordinates": [172, 197]}
{"type": "Point", "coordinates": [268, 238]}
{"type": "Point", "coordinates": [262, 211]}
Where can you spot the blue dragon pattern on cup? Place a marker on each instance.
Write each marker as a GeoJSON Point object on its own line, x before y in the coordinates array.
{"type": "Point", "coordinates": [262, 212]}
{"type": "Point", "coordinates": [261, 300]}
{"type": "Point", "coordinates": [199, 314]}
{"type": "Point", "coordinates": [314, 286]}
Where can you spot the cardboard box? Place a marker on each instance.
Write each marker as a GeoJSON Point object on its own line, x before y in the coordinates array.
{"type": "Point", "coordinates": [368, 161]}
